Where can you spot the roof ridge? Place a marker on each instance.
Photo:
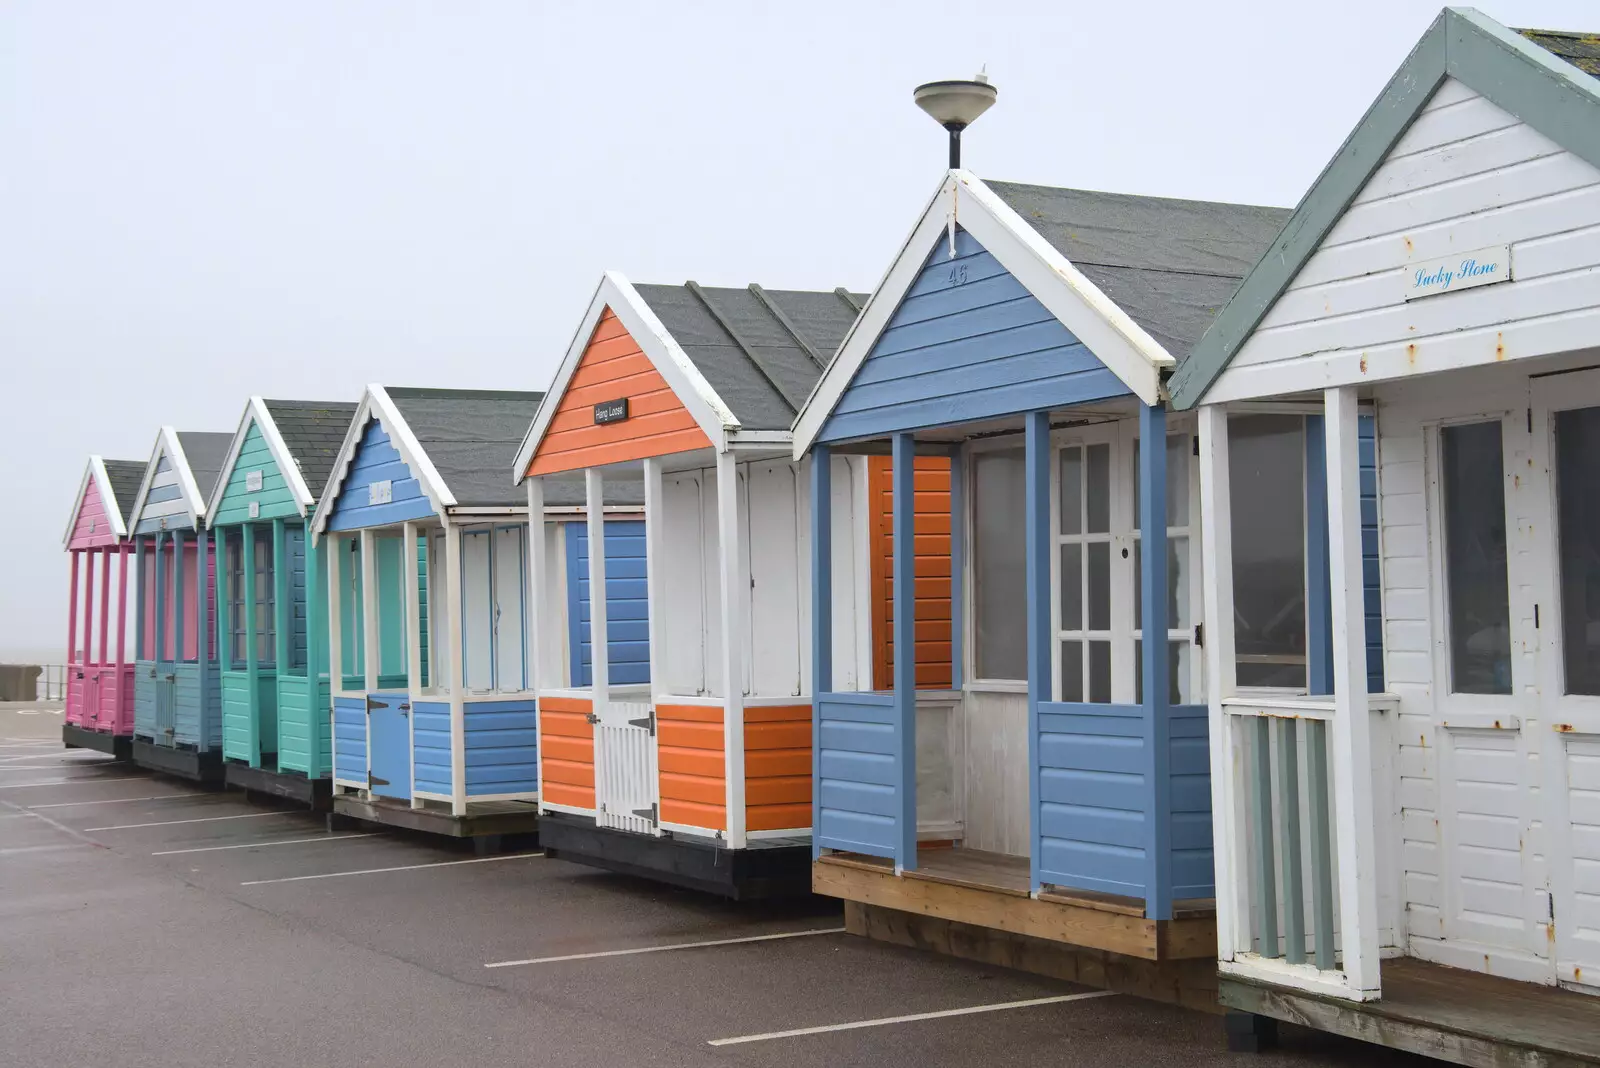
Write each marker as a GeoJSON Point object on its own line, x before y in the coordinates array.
{"type": "Point", "coordinates": [760, 362]}
{"type": "Point", "coordinates": [1135, 196]}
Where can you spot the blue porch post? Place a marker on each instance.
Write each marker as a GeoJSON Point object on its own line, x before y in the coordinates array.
{"type": "Point", "coordinates": [905, 649]}
{"type": "Point", "coordinates": [1154, 666]}
{"type": "Point", "coordinates": [140, 592]}
{"type": "Point", "coordinates": [1319, 594]}
{"type": "Point", "coordinates": [1036, 474]}
{"type": "Point", "coordinates": [178, 629]}
{"type": "Point", "coordinates": [821, 620]}
{"type": "Point", "coordinates": [163, 605]}
{"type": "Point", "coordinates": [958, 556]}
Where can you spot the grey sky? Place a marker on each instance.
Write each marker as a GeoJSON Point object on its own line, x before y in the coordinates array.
{"type": "Point", "coordinates": [203, 201]}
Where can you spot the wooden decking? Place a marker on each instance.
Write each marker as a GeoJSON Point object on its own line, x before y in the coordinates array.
{"type": "Point", "coordinates": [991, 890]}
{"type": "Point", "coordinates": [1454, 1015]}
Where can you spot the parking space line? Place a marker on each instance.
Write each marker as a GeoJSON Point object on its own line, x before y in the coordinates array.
{"type": "Point", "coordinates": [202, 819]}
{"type": "Point", "coordinates": [264, 845]}
{"type": "Point", "coordinates": [69, 782]}
{"type": "Point", "coordinates": [403, 867]}
{"type": "Point", "coordinates": [911, 1018]}
{"type": "Point", "coordinates": [119, 800]}
{"type": "Point", "coordinates": [663, 949]}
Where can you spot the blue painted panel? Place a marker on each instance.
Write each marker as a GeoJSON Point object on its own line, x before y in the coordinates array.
{"type": "Point", "coordinates": [1189, 803]}
{"type": "Point", "coordinates": [350, 739]}
{"type": "Point", "coordinates": [197, 706]}
{"type": "Point", "coordinates": [502, 747]}
{"type": "Point", "coordinates": [295, 550]}
{"type": "Point", "coordinates": [858, 803]}
{"type": "Point", "coordinates": [161, 494]}
{"type": "Point", "coordinates": [1371, 580]}
{"type": "Point", "coordinates": [1093, 797]}
{"type": "Point", "coordinates": [627, 603]}
{"type": "Point", "coordinates": [144, 698]}
{"type": "Point", "coordinates": [377, 460]}
{"type": "Point", "coordinates": [430, 735]}
{"type": "Point", "coordinates": [967, 342]}
{"type": "Point", "coordinates": [390, 727]}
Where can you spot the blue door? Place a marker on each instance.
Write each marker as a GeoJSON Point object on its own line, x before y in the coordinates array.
{"type": "Point", "coordinates": [389, 728]}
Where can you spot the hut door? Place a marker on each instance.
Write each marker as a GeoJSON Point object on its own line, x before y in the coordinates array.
{"type": "Point", "coordinates": [166, 700]}
{"type": "Point", "coordinates": [1566, 432]}
{"type": "Point", "coordinates": [625, 767]}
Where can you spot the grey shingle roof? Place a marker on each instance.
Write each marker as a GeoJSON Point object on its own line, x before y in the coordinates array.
{"type": "Point", "coordinates": [313, 431]}
{"type": "Point", "coordinates": [762, 350]}
{"type": "Point", "coordinates": [125, 477]}
{"type": "Point", "coordinates": [206, 454]}
{"type": "Point", "coordinates": [1582, 50]}
{"type": "Point", "coordinates": [1170, 264]}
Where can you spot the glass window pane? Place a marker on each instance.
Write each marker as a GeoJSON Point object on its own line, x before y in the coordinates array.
{"type": "Point", "coordinates": [1178, 583]}
{"type": "Point", "coordinates": [1179, 449]}
{"type": "Point", "coordinates": [1578, 503]}
{"type": "Point", "coordinates": [1100, 673]}
{"type": "Point", "coordinates": [1099, 585]}
{"type": "Point", "coordinates": [1099, 488]}
{"type": "Point", "coordinates": [1072, 490]}
{"type": "Point", "coordinates": [1072, 671]}
{"type": "Point", "coordinates": [1266, 469]}
{"type": "Point", "coordinates": [1178, 668]}
{"type": "Point", "coordinates": [1133, 486]}
{"type": "Point", "coordinates": [1000, 580]}
{"type": "Point", "coordinates": [1072, 587]}
{"type": "Point", "coordinates": [1138, 584]}
{"type": "Point", "coordinates": [1473, 470]}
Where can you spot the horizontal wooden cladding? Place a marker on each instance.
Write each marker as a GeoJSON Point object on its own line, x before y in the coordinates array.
{"type": "Point", "coordinates": [691, 761]}
{"type": "Point", "coordinates": [612, 367]}
{"type": "Point", "coordinates": [566, 751]}
{"type": "Point", "coordinates": [931, 570]}
{"type": "Point", "coordinates": [777, 767]}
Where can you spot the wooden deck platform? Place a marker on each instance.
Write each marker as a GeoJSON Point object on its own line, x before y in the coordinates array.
{"type": "Point", "coordinates": [1454, 1015]}
{"type": "Point", "coordinates": [488, 823]}
{"type": "Point", "coordinates": [990, 890]}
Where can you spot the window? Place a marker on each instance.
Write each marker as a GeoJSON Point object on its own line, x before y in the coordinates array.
{"type": "Point", "coordinates": [262, 576]}
{"type": "Point", "coordinates": [999, 552]}
{"type": "Point", "coordinates": [1181, 616]}
{"type": "Point", "coordinates": [1266, 470]}
{"type": "Point", "coordinates": [1085, 572]}
{"type": "Point", "coordinates": [1578, 503]}
{"type": "Point", "coordinates": [1472, 481]}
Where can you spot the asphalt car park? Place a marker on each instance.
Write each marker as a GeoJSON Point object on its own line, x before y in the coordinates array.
{"type": "Point", "coordinates": [146, 921]}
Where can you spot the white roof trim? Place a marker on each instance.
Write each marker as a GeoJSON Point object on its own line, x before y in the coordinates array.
{"type": "Point", "coordinates": [255, 411]}
{"type": "Point", "coordinates": [167, 444]}
{"type": "Point", "coordinates": [96, 469]}
{"type": "Point", "coordinates": [1125, 347]}
{"type": "Point", "coordinates": [714, 417]}
{"type": "Point", "coordinates": [375, 403]}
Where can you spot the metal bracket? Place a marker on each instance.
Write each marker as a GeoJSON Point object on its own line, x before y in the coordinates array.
{"type": "Point", "coordinates": [591, 717]}
{"type": "Point", "coordinates": [648, 812]}
{"type": "Point", "coordinates": [373, 780]}
{"type": "Point", "coordinates": [648, 722]}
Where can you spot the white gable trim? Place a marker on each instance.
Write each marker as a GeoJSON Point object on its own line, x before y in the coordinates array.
{"type": "Point", "coordinates": [714, 417]}
{"type": "Point", "coordinates": [96, 469]}
{"type": "Point", "coordinates": [375, 404]}
{"type": "Point", "coordinates": [167, 445]}
{"type": "Point", "coordinates": [255, 411]}
{"type": "Point", "coordinates": [1094, 318]}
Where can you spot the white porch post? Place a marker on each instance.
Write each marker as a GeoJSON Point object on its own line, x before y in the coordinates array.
{"type": "Point", "coordinates": [534, 636]}
{"type": "Point", "coordinates": [599, 658]}
{"type": "Point", "coordinates": [735, 588]}
{"type": "Point", "coordinates": [451, 588]}
{"type": "Point", "coordinates": [1227, 828]}
{"type": "Point", "coordinates": [1352, 760]}
{"type": "Point", "coordinates": [654, 552]}
{"type": "Point", "coordinates": [413, 597]}
{"type": "Point", "coordinates": [335, 651]}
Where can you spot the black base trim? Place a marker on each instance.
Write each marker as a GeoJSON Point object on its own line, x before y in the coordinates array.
{"type": "Point", "coordinates": [1249, 1033]}
{"type": "Point", "coordinates": [315, 794]}
{"type": "Point", "coordinates": [117, 745]}
{"type": "Point", "coordinates": [202, 767]}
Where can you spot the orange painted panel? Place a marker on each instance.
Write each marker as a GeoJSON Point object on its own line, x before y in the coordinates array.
{"type": "Point", "coordinates": [690, 762]}
{"type": "Point", "coordinates": [566, 752]}
{"type": "Point", "coordinates": [777, 768]}
{"type": "Point", "coordinates": [931, 587]}
{"type": "Point", "coordinates": [612, 367]}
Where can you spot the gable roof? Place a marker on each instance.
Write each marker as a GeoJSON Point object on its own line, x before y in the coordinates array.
{"type": "Point", "coordinates": [117, 482]}
{"type": "Point", "coordinates": [123, 477]}
{"type": "Point", "coordinates": [739, 360]}
{"type": "Point", "coordinates": [1582, 50]}
{"type": "Point", "coordinates": [197, 458]}
{"type": "Point", "coordinates": [1536, 75]}
{"type": "Point", "coordinates": [303, 437]}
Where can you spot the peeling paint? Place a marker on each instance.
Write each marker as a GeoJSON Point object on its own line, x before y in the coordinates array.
{"type": "Point", "coordinates": [1499, 346]}
{"type": "Point", "coordinates": [1363, 363]}
{"type": "Point", "coordinates": [1564, 728]}
{"type": "Point", "coordinates": [1411, 354]}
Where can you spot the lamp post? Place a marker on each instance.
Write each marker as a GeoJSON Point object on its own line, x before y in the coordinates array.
{"type": "Point", "coordinates": [955, 105]}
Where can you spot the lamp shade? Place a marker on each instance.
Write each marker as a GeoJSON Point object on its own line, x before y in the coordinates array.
{"type": "Point", "coordinates": [955, 103]}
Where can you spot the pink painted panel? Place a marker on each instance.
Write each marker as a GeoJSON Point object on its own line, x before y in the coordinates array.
{"type": "Point", "coordinates": [76, 713]}
{"type": "Point", "coordinates": [147, 583]}
{"type": "Point", "coordinates": [92, 527]}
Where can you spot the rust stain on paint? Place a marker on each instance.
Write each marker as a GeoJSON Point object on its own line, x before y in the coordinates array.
{"type": "Point", "coordinates": [1363, 363]}
{"type": "Point", "coordinates": [1411, 354]}
{"type": "Point", "coordinates": [1409, 247]}
{"type": "Point", "coordinates": [1500, 346]}
{"type": "Point", "coordinates": [1564, 728]}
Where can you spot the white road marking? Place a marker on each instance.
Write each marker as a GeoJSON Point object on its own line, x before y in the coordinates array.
{"type": "Point", "coordinates": [202, 819]}
{"type": "Point", "coordinates": [41, 848]}
{"type": "Point", "coordinates": [912, 1018]}
{"type": "Point", "coordinates": [70, 782]}
{"type": "Point", "coordinates": [32, 745]}
{"type": "Point", "coordinates": [119, 800]}
{"type": "Point", "coordinates": [403, 867]}
{"type": "Point", "coordinates": [663, 949]}
{"type": "Point", "coordinates": [264, 845]}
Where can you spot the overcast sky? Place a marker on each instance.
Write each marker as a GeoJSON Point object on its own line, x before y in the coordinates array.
{"type": "Point", "coordinates": [200, 202]}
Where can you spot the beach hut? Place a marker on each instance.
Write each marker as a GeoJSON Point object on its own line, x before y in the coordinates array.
{"type": "Point", "coordinates": [271, 607]}
{"type": "Point", "coordinates": [177, 720]}
{"type": "Point", "coordinates": [699, 772]}
{"type": "Point", "coordinates": [425, 537]}
{"type": "Point", "coordinates": [1058, 788]}
{"type": "Point", "coordinates": [1420, 867]}
{"type": "Point", "coordinates": [99, 705]}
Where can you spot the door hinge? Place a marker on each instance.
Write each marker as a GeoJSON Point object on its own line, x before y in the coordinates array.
{"type": "Point", "coordinates": [648, 813]}
{"type": "Point", "coordinates": [591, 717]}
{"type": "Point", "coordinates": [371, 704]}
{"type": "Point", "coordinates": [1196, 440]}
{"type": "Point", "coordinates": [1199, 636]}
{"type": "Point", "coordinates": [1550, 907]}
{"type": "Point", "coordinates": [373, 780]}
{"type": "Point", "coordinates": [648, 722]}
{"type": "Point", "coordinates": [1530, 420]}
{"type": "Point", "coordinates": [1536, 617]}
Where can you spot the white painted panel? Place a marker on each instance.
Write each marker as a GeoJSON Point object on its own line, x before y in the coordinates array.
{"type": "Point", "coordinates": [712, 586]}
{"type": "Point", "coordinates": [1580, 923]}
{"type": "Point", "coordinates": [477, 610]}
{"type": "Point", "coordinates": [1463, 114]}
{"type": "Point", "coordinates": [775, 667]}
{"type": "Point", "coordinates": [680, 641]}
{"type": "Point", "coordinates": [941, 768]}
{"type": "Point", "coordinates": [625, 777]}
{"type": "Point", "coordinates": [997, 777]}
{"type": "Point", "coordinates": [440, 609]}
{"type": "Point", "coordinates": [852, 664]}
{"type": "Point", "coordinates": [510, 580]}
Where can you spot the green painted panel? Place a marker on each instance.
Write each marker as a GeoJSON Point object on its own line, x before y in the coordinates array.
{"type": "Point", "coordinates": [236, 716]}
{"type": "Point", "coordinates": [274, 497]}
{"type": "Point", "coordinates": [391, 606]}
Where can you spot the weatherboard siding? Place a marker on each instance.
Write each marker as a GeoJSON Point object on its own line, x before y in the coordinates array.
{"type": "Point", "coordinates": [91, 528]}
{"type": "Point", "coordinates": [350, 738]}
{"type": "Point", "coordinates": [298, 717]}
{"type": "Point", "coordinates": [613, 367]}
{"type": "Point", "coordinates": [627, 606]}
{"type": "Point", "coordinates": [967, 342]}
{"type": "Point", "coordinates": [691, 765]}
{"type": "Point", "coordinates": [931, 523]}
{"type": "Point", "coordinates": [164, 505]}
{"type": "Point", "coordinates": [777, 767]}
{"type": "Point", "coordinates": [502, 740]}
{"type": "Point", "coordinates": [566, 752]}
{"type": "Point", "coordinates": [274, 499]}
{"type": "Point", "coordinates": [376, 460]}
{"type": "Point", "coordinates": [1466, 175]}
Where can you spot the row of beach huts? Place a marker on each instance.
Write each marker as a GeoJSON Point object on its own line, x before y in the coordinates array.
{"type": "Point", "coordinates": [889, 595]}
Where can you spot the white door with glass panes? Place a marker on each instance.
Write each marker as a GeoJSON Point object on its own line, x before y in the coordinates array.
{"type": "Point", "coordinates": [1096, 593]}
{"type": "Point", "coordinates": [1566, 447]}
{"type": "Point", "coordinates": [1487, 910]}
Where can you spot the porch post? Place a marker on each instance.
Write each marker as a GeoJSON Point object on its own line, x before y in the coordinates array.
{"type": "Point", "coordinates": [122, 611]}
{"type": "Point", "coordinates": [654, 554]}
{"type": "Point", "coordinates": [537, 675]}
{"type": "Point", "coordinates": [316, 651]}
{"type": "Point", "coordinates": [88, 606]}
{"type": "Point", "coordinates": [1155, 668]}
{"type": "Point", "coordinates": [821, 620]}
{"type": "Point", "coordinates": [202, 624]}
{"type": "Point", "coordinates": [371, 647]}
{"type": "Point", "coordinates": [904, 593]}
{"type": "Point", "coordinates": [735, 586]}
{"type": "Point", "coordinates": [958, 558]}
{"type": "Point", "coordinates": [178, 608]}
{"type": "Point", "coordinates": [1352, 762]}
{"type": "Point", "coordinates": [1319, 592]}
{"type": "Point", "coordinates": [413, 587]}
{"type": "Point", "coordinates": [140, 592]}
{"type": "Point", "coordinates": [252, 667]}
{"type": "Point", "coordinates": [163, 605]}
{"type": "Point", "coordinates": [453, 657]}
{"type": "Point", "coordinates": [282, 640]}
{"type": "Point", "coordinates": [599, 659]}
{"type": "Point", "coordinates": [105, 602]}
{"type": "Point", "coordinates": [1036, 525]}
{"type": "Point", "coordinates": [1216, 574]}
{"type": "Point", "coordinates": [72, 612]}
{"type": "Point", "coordinates": [221, 595]}
{"type": "Point", "coordinates": [335, 617]}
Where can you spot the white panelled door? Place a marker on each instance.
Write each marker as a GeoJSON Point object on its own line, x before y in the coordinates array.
{"type": "Point", "coordinates": [625, 780]}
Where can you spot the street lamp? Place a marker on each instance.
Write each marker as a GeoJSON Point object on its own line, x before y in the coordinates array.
{"type": "Point", "coordinates": [955, 105]}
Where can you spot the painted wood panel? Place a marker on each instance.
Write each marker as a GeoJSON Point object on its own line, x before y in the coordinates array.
{"type": "Point", "coordinates": [627, 606]}
{"type": "Point", "coordinates": [298, 717]}
{"type": "Point", "coordinates": [690, 751]}
{"type": "Point", "coordinates": [502, 755]}
{"type": "Point", "coordinates": [164, 505]}
{"type": "Point", "coordinates": [1466, 175]}
{"type": "Point", "coordinates": [996, 801]}
{"type": "Point", "coordinates": [857, 803]}
{"type": "Point", "coordinates": [967, 342]}
{"type": "Point", "coordinates": [350, 740]}
{"type": "Point", "coordinates": [613, 367]}
{"type": "Point", "coordinates": [432, 768]}
{"type": "Point", "coordinates": [376, 462]}
{"type": "Point", "coordinates": [566, 756]}
{"type": "Point", "coordinates": [777, 767]}
{"type": "Point", "coordinates": [91, 528]}
{"type": "Point", "coordinates": [931, 521]}
{"type": "Point", "coordinates": [273, 499]}
{"type": "Point", "coordinates": [778, 573]}
{"type": "Point", "coordinates": [687, 591]}
{"type": "Point", "coordinates": [197, 707]}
